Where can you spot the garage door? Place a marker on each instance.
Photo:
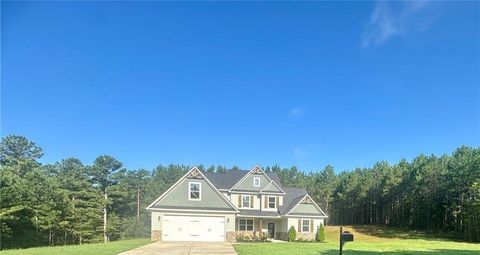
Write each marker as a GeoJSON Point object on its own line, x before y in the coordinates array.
{"type": "Point", "coordinates": [193, 228]}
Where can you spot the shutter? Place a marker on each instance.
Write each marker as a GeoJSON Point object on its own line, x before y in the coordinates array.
{"type": "Point", "coordinates": [299, 225]}
{"type": "Point", "coordinates": [266, 202]}
{"type": "Point", "coordinates": [239, 201]}
{"type": "Point", "coordinates": [251, 201]}
{"type": "Point", "coordinates": [277, 201]}
{"type": "Point", "coordinates": [311, 225]}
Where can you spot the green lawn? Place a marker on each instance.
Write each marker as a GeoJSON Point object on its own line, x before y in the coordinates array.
{"type": "Point", "coordinates": [382, 242]}
{"type": "Point", "coordinates": [85, 249]}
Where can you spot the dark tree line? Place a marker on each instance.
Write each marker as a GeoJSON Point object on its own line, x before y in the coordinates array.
{"type": "Point", "coordinates": [72, 203]}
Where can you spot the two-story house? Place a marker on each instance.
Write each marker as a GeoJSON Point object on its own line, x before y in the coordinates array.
{"type": "Point", "coordinates": [220, 206]}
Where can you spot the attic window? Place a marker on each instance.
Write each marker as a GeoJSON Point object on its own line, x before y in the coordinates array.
{"type": "Point", "coordinates": [256, 182]}
{"type": "Point", "coordinates": [194, 189]}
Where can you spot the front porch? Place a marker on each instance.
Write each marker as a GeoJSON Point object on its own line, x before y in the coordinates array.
{"type": "Point", "coordinates": [252, 228]}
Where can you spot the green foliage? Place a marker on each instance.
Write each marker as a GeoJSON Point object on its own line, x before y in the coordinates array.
{"type": "Point", "coordinates": [292, 234]}
{"type": "Point", "coordinates": [64, 203]}
{"type": "Point", "coordinates": [321, 235]}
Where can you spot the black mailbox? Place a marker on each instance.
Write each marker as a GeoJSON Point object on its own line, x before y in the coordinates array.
{"type": "Point", "coordinates": [344, 237]}
{"type": "Point", "coordinates": [347, 237]}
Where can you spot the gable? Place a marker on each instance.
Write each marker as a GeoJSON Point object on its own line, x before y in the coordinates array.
{"type": "Point", "coordinates": [307, 207]}
{"type": "Point", "coordinates": [247, 183]}
{"type": "Point", "coordinates": [177, 197]}
{"type": "Point", "coordinates": [271, 187]}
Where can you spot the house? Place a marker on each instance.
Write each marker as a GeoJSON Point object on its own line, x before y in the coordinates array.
{"type": "Point", "coordinates": [223, 206]}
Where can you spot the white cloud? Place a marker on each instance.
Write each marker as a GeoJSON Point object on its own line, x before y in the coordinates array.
{"type": "Point", "coordinates": [391, 19]}
{"type": "Point", "coordinates": [297, 111]}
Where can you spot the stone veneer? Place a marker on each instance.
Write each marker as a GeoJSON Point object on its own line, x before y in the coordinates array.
{"type": "Point", "coordinates": [306, 236]}
{"type": "Point", "coordinates": [156, 235]}
{"type": "Point", "coordinates": [231, 236]}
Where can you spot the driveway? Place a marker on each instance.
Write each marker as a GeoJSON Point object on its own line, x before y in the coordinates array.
{"type": "Point", "coordinates": [183, 248]}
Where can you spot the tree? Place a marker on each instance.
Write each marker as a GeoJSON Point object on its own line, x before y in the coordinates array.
{"type": "Point", "coordinates": [20, 153]}
{"type": "Point", "coordinates": [103, 171]}
{"type": "Point", "coordinates": [321, 234]}
{"type": "Point", "coordinates": [292, 234]}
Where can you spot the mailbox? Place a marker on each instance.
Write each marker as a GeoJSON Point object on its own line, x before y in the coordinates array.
{"type": "Point", "coordinates": [347, 237]}
{"type": "Point", "coordinates": [344, 237]}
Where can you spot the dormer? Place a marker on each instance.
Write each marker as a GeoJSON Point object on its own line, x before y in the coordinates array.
{"type": "Point", "coordinates": [256, 180]}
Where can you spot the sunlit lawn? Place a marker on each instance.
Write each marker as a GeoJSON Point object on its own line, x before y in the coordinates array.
{"type": "Point", "coordinates": [85, 249]}
{"type": "Point", "coordinates": [382, 242]}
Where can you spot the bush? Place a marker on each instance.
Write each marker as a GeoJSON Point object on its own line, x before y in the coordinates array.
{"type": "Point", "coordinates": [263, 236]}
{"type": "Point", "coordinates": [292, 234]}
{"type": "Point", "coordinates": [243, 238]}
{"type": "Point", "coordinates": [321, 234]}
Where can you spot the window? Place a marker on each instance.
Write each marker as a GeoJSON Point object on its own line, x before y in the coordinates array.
{"type": "Point", "coordinates": [246, 201]}
{"type": "Point", "coordinates": [272, 202]}
{"type": "Point", "coordinates": [194, 189]}
{"type": "Point", "coordinates": [256, 182]}
{"type": "Point", "coordinates": [245, 225]}
{"type": "Point", "coordinates": [305, 225]}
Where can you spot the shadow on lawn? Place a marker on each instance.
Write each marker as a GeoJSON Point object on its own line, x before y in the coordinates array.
{"type": "Point", "coordinates": [400, 252]}
{"type": "Point", "coordinates": [383, 232]}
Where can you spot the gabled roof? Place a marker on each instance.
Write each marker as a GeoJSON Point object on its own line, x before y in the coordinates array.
{"type": "Point", "coordinates": [228, 179]}
{"type": "Point", "coordinates": [192, 172]}
{"type": "Point", "coordinates": [293, 197]}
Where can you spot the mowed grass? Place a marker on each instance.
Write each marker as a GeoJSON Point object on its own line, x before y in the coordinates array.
{"type": "Point", "coordinates": [84, 249]}
{"type": "Point", "coordinates": [368, 240]}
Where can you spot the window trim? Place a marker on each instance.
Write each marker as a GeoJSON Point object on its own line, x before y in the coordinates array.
{"type": "Point", "coordinates": [249, 201]}
{"type": "Point", "coordinates": [255, 179]}
{"type": "Point", "coordinates": [274, 202]}
{"type": "Point", "coordinates": [246, 224]}
{"type": "Point", "coordinates": [308, 231]}
{"type": "Point", "coordinates": [199, 191]}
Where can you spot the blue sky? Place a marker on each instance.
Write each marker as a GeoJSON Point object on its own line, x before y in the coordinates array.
{"type": "Point", "coordinates": [305, 84]}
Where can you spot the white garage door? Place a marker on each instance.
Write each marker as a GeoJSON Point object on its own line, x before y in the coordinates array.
{"type": "Point", "coordinates": [193, 228]}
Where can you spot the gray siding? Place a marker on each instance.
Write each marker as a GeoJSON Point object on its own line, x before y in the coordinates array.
{"type": "Point", "coordinates": [272, 188]}
{"type": "Point", "coordinates": [306, 209]}
{"type": "Point", "coordinates": [247, 183]}
{"type": "Point", "coordinates": [179, 197]}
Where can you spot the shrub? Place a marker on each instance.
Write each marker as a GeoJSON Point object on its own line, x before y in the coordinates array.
{"type": "Point", "coordinates": [243, 238]}
{"type": "Point", "coordinates": [292, 234]}
{"type": "Point", "coordinates": [321, 234]}
{"type": "Point", "coordinates": [263, 236]}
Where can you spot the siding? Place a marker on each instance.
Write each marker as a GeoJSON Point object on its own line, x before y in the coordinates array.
{"type": "Point", "coordinates": [179, 197]}
{"type": "Point", "coordinates": [306, 209]}
{"type": "Point", "coordinates": [247, 184]}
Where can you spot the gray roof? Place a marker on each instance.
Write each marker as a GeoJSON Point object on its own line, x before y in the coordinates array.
{"type": "Point", "coordinates": [258, 213]}
{"type": "Point", "coordinates": [228, 179]}
{"type": "Point", "coordinates": [294, 195]}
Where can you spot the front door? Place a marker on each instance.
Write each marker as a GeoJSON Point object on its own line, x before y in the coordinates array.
{"type": "Point", "coordinates": [271, 230]}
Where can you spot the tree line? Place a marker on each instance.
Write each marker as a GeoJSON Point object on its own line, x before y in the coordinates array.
{"type": "Point", "coordinates": [69, 202]}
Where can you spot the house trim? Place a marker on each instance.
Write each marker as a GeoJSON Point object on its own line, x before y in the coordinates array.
{"type": "Point", "coordinates": [191, 210]}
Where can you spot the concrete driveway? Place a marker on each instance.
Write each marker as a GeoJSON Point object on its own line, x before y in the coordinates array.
{"type": "Point", "coordinates": [183, 248]}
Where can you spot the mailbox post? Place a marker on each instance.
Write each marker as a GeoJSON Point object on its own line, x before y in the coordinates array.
{"type": "Point", "coordinates": [344, 237]}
